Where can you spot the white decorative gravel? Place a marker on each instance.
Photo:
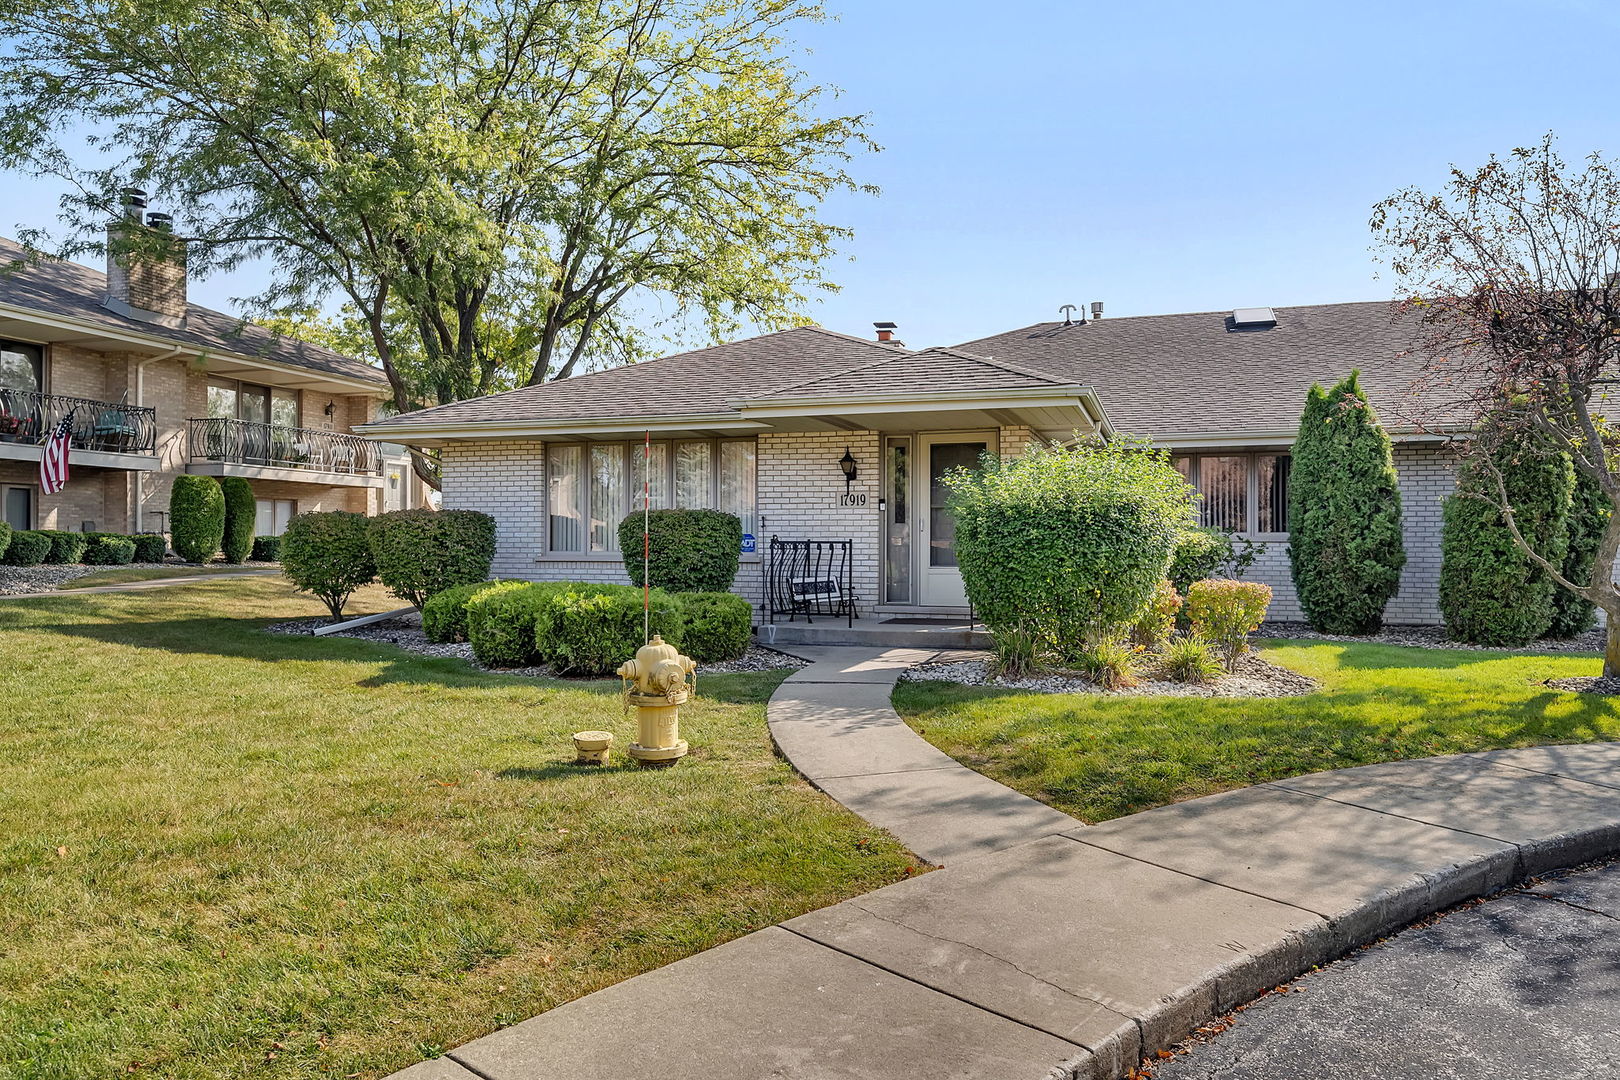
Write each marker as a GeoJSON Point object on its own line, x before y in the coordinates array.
{"type": "Point", "coordinates": [1255, 677]}
{"type": "Point", "coordinates": [406, 633]}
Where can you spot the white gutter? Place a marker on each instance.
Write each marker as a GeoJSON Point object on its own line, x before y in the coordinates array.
{"type": "Point", "coordinates": [616, 425]}
{"type": "Point", "coordinates": [140, 401]}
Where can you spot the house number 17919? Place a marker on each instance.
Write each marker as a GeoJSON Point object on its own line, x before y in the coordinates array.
{"type": "Point", "coordinates": [852, 499]}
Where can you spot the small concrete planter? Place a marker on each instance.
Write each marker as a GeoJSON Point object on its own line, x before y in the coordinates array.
{"type": "Point", "coordinates": [592, 747]}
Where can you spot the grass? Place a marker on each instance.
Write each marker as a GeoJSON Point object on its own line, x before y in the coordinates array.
{"type": "Point", "coordinates": [123, 575]}
{"type": "Point", "coordinates": [1099, 757]}
{"type": "Point", "coordinates": [227, 854]}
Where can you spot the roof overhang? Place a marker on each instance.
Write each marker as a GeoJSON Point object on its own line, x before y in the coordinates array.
{"type": "Point", "coordinates": [1239, 438]}
{"type": "Point", "coordinates": [46, 328]}
{"type": "Point", "coordinates": [1045, 409]}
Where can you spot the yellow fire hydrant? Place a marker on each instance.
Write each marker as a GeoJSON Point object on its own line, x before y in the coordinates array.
{"type": "Point", "coordinates": [655, 682]}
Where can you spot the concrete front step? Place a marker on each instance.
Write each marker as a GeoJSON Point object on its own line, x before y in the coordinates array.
{"type": "Point", "coordinates": [882, 633]}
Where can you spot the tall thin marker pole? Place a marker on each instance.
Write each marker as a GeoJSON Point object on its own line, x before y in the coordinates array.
{"type": "Point", "coordinates": [646, 537]}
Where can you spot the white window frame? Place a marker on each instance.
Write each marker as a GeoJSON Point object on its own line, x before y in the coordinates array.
{"type": "Point", "coordinates": [1251, 523]}
{"type": "Point", "coordinates": [632, 489]}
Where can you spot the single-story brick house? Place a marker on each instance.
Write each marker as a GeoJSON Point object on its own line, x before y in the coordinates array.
{"type": "Point", "coordinates": [761, 428]}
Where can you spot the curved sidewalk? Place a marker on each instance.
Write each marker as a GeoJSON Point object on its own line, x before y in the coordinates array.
{"type": "Point", "coordinates": [1069, 956]}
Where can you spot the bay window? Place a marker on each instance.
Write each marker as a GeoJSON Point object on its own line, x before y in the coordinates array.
{"type": "Point", "coordinates": [590, 488]}
{"type": "Point", "coordinates": [1242, 493]}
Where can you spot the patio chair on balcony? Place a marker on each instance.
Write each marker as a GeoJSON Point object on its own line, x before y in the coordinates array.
{"type": "Point", "coordinates": [114, 430]}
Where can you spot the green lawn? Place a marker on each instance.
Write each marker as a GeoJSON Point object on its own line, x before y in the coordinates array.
{"type": "Point", "coordinates": [123, 575]}
{"type": "Point", "coordinates": [1098, 757]}
{"type": "Point", "coordinates": [229, 854]}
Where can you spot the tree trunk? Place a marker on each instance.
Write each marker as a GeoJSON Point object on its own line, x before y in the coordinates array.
{"type": "Point", "coordinates": [1611, 651]}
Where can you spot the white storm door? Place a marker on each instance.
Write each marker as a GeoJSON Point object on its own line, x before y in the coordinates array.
{"type": "Point", "coordinates": [940, 578]}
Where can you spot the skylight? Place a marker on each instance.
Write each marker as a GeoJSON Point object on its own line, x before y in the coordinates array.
{"type": "Point", "coordinates": [1254, 316]}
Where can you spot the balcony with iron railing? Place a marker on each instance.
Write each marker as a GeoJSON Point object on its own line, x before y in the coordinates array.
{"type": "Point", "coordinates": [27, 418]}
{"type": "Point", "coordinates": [243, 447]}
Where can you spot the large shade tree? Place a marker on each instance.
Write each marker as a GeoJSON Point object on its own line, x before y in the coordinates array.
{"type": "Point", "coordinates": [506, 190]}
{"type": "Point", "coordinates": [1514, 271]}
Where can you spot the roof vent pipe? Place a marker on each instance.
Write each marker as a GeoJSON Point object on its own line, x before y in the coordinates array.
{"type": "Point", "coordinates": [161, 222]}
{"type": "Point", "coordinates": [1067, 311]}
{"type": "Point", "coordinates": [134, 203]}
{"type": "Point", "coordinates": [1096, 309]}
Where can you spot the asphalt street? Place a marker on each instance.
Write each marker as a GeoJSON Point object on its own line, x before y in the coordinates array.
{"type": "Point", "coordinates": [1525, 985]}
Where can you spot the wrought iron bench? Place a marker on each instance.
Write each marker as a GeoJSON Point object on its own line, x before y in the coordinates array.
{"type": "Point", "coordinates": [810, 578]}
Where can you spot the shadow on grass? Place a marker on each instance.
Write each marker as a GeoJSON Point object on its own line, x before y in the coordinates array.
{"type": "Point", "coordinates": [1374, 656]}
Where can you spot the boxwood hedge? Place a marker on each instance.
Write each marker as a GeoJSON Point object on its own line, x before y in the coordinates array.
{"type": "Point", "coordinates": [690, 550]}
{"type": "Point", "coordinates": [27, 548]}
{"type": "Point", "coordinates": [328, 553]}
{"type": "Point", "coordinates": [196, 517]}
{"type": "Point", "coordinates": [715, 626]}
{"type": "Point", "coordinates": [66, 547]}
{"type": "Point", "coordinates": [421, 552]}
{"type": "Point", "coordinates": [150, 547]}
{"type": "Point", "coordinates": [109, 549]}
{"type": "Point", "coordinates": [241, 515]}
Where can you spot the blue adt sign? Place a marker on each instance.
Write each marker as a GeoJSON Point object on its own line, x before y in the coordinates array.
{"type": "Point", "coordinates": [748, 544]}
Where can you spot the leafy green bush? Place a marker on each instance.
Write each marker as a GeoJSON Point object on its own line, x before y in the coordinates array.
{"type": "Point", "coordinates": [422, 552]}
{"type": "Point", "coordinates": [1225, 612]}
{"type": "Point", "coordinates": [1067, 545]}
{"type": "Point", "coordinates": [1491, 593]}
{"type": "Point", "coordinates": [689, 550]}
{"type": "Point", "coordinates": [1156, 621]}
{"type": "Point", "coordinates": [444, 616]}
{"type": "Point", "coordinates": [150, 547]}
{"type": "Point", "coordinates": [27, 548]}
{"type": "Point", "coordinates": [1199, 553]}
{"type": "Point", "coordinates": [592, 629]}
{"type": "Point", "coordinates": [500, 620]}
{"type": "Point", "coordinates": [66, 547]}
{"type": "Point", "coordinates": [1588, 517]}
{"type": "Point", "coordinates": [109, 549]}
{"type": "Point", "coordinates": [1344, 512]}
{"type": "Point", "coordinates": [266, 549]}
{"type": "Point", "coordinates": [196, 517]}
{"type": "Point", "coordinates": [5, 539]}
{"type": "Point", "coordinates": [241, 515]}
{"type": "Point", "coordinates": [327, 553]}
{"type": "Point", "coordinates": [715, 626]}
{"type": "Point", "coordinates": [1189, 658]}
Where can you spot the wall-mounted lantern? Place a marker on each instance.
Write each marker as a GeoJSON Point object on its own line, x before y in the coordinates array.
{"type": "Point", "coordinates": [847, 463]}
{"type": "Point", "coordinates": [330, 408]}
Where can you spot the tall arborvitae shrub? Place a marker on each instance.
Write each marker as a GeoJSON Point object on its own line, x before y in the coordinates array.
{"type": "Point", "coordinates": [1588, 517]}
{"type": "Point", "coordinates": [196, 517]}
{"type": "Point", "coordinates": [1344, 512]}
{"type": "Point", "coordinates": [1491, 592]}
{"type": "Point", "coordinates": [241, 513]}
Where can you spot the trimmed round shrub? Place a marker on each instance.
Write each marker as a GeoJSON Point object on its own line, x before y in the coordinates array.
{"type": "Point", "coordinates": [1344, 512]}
{"type": "Point", "coordinates": [5, 538]}
{"type": "Point", "coordinates": [592, 629]}
{"type": "Point", "coordinates": [500, 620]}
{"type": "Point", "coordinates": [1225, 612]}
{"type": "Point", "coordinates": [1063, 547]}
{"type": "Point", "coordinates": [241, 515]}
{"type": "Point", "coordinates": [715, 626]}
{"type": "Point", "coordinates": [1199, 553]}
{"type": "Point", "coordinates": [27, 548]}
{"type": "Point", "coordinates": [444, 616]}
{"type": "Point", "coordinates": [150, 547]}
{"type": "Point", "coordinates": [1588, 516]}
{"type": "Point", "coordinates": [688, 550]}
{"type": "Point", "coordinates": [109, 549]}
{"type": "Point", "coordinates": [422, 552]}
{"type": "Point", "coordinates": [327, 553]}
{"type": "Point", "coordinates": [266, 549]}
{"type": "Point", "coordinates": [66, 547]}
{"type": "Point", "coordinates": [196, 517]}
{"type": "Point", "coordinates": [1491, 592]}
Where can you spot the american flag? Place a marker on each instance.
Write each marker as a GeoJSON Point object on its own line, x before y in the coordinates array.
{"type": "Point", "coordinates": [53, 463]}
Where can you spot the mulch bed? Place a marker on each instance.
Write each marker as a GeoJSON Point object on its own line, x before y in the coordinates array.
{"type": "Point", "coordinates": [1430, 637]}
{"type": "Point", "coordinates": [1254, 677]}
{"type": "Point", "coordinates": [406, 633]}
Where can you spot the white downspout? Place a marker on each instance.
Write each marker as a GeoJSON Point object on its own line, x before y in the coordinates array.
{"type": "Point", "coordinates": [140, 399]}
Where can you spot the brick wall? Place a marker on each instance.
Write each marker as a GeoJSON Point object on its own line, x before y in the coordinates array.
{"type": "Point", "coordinates": [1424, 472]}
{"type": "Point", "coordinates": [505, 479]}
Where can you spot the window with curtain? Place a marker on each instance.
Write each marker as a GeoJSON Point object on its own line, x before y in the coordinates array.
{"type": "Point", "coordinates": [609, 501]}
{"type": "Point", "coordinates": [1271, 474]}
{"type": "Point", "coordinates": [590, 488]}
{"type": "Point", "coordinates": [284, 408]}
{"type": "Point", "coordinates": [1224, 482]}
{"type": "Point", "coordinates": [566, 513]}
{"type": "Point", "coordinates": [1243, 493]}
{"type": "Point", "coordinates": [737, 483]}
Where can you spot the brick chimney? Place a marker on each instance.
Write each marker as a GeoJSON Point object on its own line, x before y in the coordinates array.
{"type": "Point", "coordinates": [146, 265]}
{"type": "Point", "coordinates": [885, 334]}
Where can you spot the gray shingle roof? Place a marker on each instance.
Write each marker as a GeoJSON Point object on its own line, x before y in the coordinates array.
{"type": "Point", "coordinates": [925, 371]}
{"type": "Point", "coordinates": [1161, 375]}
{"type": "Point", "coordinates": [56, 286]}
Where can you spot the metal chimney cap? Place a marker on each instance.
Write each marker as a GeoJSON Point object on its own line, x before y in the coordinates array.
{"type": "Point", "coordinates": [1096, 309]}
{"type": "Point", "coordinates": [164, 222]}
{"type": "Point", "coordinates": [886, 325]}
{"type": "Point", "coordinates": [132, 196]}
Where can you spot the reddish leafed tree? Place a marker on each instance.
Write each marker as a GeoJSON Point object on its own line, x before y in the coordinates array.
{"type": "Point", "coordinates": [1513, 273]}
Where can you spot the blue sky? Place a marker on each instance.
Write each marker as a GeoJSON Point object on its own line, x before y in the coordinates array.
{"type": "Point", "coordinates": [1159, 156]}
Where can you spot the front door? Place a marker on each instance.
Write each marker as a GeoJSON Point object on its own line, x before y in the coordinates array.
{"type": "Point", "coordinates": [939, 577]}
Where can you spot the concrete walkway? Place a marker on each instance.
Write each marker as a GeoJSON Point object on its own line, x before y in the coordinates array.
{"type": "Point", "coordinates": [833, 721]}
{"type": "Point", "coordinates": [139, 586]}
{"type": "Point", "coordinates": [1068, 955]}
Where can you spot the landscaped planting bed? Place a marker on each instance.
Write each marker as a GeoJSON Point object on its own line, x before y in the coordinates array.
{"type": "Point", "coordinates": [1098, 756]}
{"type": "Point", "coordinates": [228, 853]}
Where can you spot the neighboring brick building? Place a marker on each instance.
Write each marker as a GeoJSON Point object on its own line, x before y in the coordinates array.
{"type": "Point", "coordinates": [156, 386]}
{"type": "Point", "coordinates": [762, 428]}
